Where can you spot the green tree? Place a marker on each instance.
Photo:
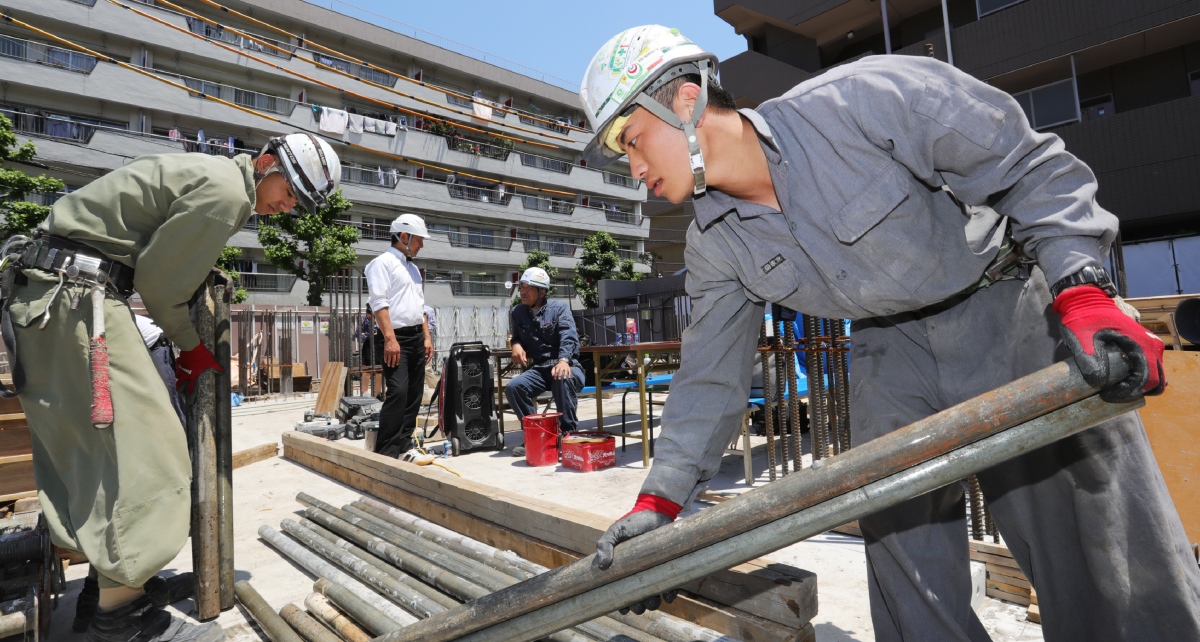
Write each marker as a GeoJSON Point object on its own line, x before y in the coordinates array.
{"type": "Point", "coordinates": [226, 262]}
{"type": "Point", "coordinates": [536, 258]}
{"type": "Point", "coordinates": [600, 261]}
{"type": "Point", "coordinates": [311, 246]}
{"type": "Point", "coordinates": [20, 216]}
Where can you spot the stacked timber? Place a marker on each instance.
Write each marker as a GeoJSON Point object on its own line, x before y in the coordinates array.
{"type": "Point", "coordinates": [1005, 581]}
{"type": "Point", "coordinates": [754, 601]}
{"type": "Point", "coordinates": [16, 451]}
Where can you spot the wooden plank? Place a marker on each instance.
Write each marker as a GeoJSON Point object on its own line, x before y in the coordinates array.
{"type": "Point", "coordinates": [333, 380]}
{"type": "Point", "coordinates": [780, 593]}
{"type": "Point", "coordinates": [1034, 614]}
{"type": "Point", "coordinates": [1174, 434]}
{"type": "Point", "coordinates": [14, 437]}
{"type": "Point", "coordinates": [16, 476]}
{"type": "Point", "coordinates": [994, 559]}
{"type": "Point", "coordinates": [255, 454]}
{"type": "Point", "coordinates": [1013, 580]}
{"type": "Point", "coordinates": [849, 528]}
{"type": "Point", "coordinates": [735, 623]}
{"type": "Point", "coordinates": [1023, 600]}
{"type": "Point", "coordinates": [1007, 588]}
{"type": "Point", "coordinates": [1032, 597]}
{"type": "Point", "coordinates": [989, 548]}
{"type": "Point", "coordinates": [16, 496]}
{"type": "Point", "coordinates": [10, 405]}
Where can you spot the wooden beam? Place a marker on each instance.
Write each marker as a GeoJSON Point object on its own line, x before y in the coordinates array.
{"type": "Point", "coordinates": [16, 496]}
{"type": "Point", "coordinates": [333, 381]}
{"type": "Point", "coordinates": [774, 592]}
{"type": "Point", "coordinates": [254, 454]}
{"type": "Point", "coordinates": [14, 437]}
{"type": "Point", "coordinates": [16, 475]}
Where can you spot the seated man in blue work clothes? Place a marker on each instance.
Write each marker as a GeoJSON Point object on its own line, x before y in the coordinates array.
{"type": "Point", "coordinates": [545, 340]}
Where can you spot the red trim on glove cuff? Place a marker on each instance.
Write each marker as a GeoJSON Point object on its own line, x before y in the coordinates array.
{"type": "Point", "coordinates": [657, 504]}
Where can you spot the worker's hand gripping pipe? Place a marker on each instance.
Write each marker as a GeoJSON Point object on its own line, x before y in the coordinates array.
{"type": "Point", "coordinates": [1010, 421]}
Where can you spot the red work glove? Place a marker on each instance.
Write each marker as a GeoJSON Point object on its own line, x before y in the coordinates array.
{"type": "Point", "coordinates": [649, 513]}
{"type": "Point", "coordinates": [190, 364]}
{"type": "Point", "coordinates": [1091, 322]}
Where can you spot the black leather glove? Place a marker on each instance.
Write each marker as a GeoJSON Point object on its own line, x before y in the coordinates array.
{"type": "Point", "coordinates": [650, 512]}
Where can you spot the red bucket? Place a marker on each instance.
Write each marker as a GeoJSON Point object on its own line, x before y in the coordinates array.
{"type": "Point", "coordinates": [541, 439]}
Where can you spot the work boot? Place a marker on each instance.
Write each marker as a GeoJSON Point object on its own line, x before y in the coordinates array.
{"type": "Point", "coordinates": [417, 457]}
{"type": "Point", "coordinates": [169, 590]}
{"type": "Point", "coordinates": [86, 603]}
{"type": "Point", "coordinates": [162, 591]}
{"type": "Point", "coordinates": [141, 621]}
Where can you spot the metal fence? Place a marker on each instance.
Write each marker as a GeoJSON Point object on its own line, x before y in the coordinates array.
{"type": "Point", "coordinates": [367, 176]}
{"type": "Point", "coordinates": [619, 179]}
{"type": "Point", "coordinates": [356, 69]}
{"type": "Point", "coordinates": [543, 162]}
{"type": "Point", "coordinates": [259, 282]}
{"type": "Point", "coordinates": [53, 127]}
{"type": "Point", "coordinates": [485, 239]}
{"type": "Point", "coordinates": [243, 97]}
{"type": "Point", "coordinates": [46, 55]}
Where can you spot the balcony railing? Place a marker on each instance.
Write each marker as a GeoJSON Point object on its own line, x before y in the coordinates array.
{"type": "Point", "coordinates": [543, 204]}
{"type": "Point", "coordinates": [498, 195]}
{"type": "Point", "coordinates": [368, 176]}
{"type": "Point", "coordinates": [562, 290]}
{"type": "Point", "coordinates": [549, 164]}
{"type": "Point", "coordinates": [215, 32]}
{"type": "Point", "coordinates": [554, 248]}
{"type": "Point", "coordinates": [619, 179]}
{"type": "Point", "coordinates": [460, 143]}
{"type": "Point", "coordinates": [622, 216]}
{"type": "Point", "coordinates": [254, 282]}
{"type": "Point", "coordinates": [46, 55]}
{"type": "Point", "coordinates": [488, 240]}
{"type": "Point", "coordinates": [355, 69]}
{"type": "Point", "coordinates": [632, 255]}
{"type": "Point", "coordinates": [545, 122]}
{"type": "Point", "coordinates": [477, 288]}
{"type": "Point", "coordinates": [51, 127]}
{"type": "Point", "coordinates": [368, 230]}
{"type": "Point", "coordinates": [243, 97]}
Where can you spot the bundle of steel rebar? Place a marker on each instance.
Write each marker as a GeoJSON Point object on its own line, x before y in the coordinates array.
{"type": "Point", "coordinates": [379, 569]}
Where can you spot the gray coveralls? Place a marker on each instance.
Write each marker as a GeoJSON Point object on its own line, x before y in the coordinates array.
{"type": "Point", "coordinates": [898, 178]}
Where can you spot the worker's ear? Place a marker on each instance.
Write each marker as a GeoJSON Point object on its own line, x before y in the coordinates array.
{"type": "Point", "coordinates": [685, 100]}
{"type": "Point", "coordinates": [265, 162]}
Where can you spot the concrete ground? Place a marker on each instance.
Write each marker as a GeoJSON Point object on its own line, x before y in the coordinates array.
{"type": "Point", "coordinates": [264, 493]}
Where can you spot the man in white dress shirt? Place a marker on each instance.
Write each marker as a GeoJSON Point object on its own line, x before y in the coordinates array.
{"type": "Point", "coordinates": [402, 341]}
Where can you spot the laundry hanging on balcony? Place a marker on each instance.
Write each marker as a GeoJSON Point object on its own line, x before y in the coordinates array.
{"type": "Point", "coordinates": [355, 123]}
{"type": "Point", "coordinates": [333, 121]}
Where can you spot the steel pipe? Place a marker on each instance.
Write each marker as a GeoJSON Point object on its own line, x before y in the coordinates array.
{"type": "Point", "coordinates": [268, 620]}
{"type": "Point", "coordinates": [710, 533]}
{"type": "Point", "coordinates": [856, 504]}
{"type": "Point", "coordinates": [656, 623]}
{"type": "Point", "coordinates": [321, 608]}
{"type": "Point", "coordinates": [320, 568]}
{"type": "Point", "coordinates": [372, 619]}
{"type": "Point", "coordinates": [304, 624]}
{"type": "Point", "coordinates": [223, 441]}
{"type": "Point", "coordinates": [406, 596]}
{"type": "Point", "coordinates": [381, 565]}
{"type": "Point", "coordinates": [202, 430]}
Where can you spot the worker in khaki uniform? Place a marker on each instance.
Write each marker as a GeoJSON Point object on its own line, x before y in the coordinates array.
{"type": "Point", "coordinates": [121, 494]}
{"type": "Point", "coordinates": [901, 193]}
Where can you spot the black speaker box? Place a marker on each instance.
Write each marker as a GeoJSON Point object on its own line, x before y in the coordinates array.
{"type": "Point", "coordinates": [467, 401]}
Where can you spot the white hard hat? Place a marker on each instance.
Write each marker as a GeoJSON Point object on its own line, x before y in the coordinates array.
{"type": "Point", "coordinates": [536, 277]}
{"type": "Point", "coordinates": [623, 74]}
{"type": "Point", "coordinates": [311, 167]}
{"type": "Point", "coordinates": [411, 223]}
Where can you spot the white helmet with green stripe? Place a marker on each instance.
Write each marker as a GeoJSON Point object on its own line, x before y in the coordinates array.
{"type": "Point", "coordinates": [623, 74]}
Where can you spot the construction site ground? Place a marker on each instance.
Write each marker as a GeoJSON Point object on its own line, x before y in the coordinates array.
{"type": "Point", "coordinates": [264, 493]}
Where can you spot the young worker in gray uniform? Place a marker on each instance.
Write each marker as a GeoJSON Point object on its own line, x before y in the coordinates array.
{"type": "Point", "coordinates": [544, 338]}
{"type": "Point", "coordinates": [888, 191]}
{"type": "Point", "coordinates": [121, 493]}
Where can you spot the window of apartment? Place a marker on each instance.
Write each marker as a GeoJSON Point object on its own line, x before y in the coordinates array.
{"type": "Point", "coordinates": [985, 7]}
{"type": "Point", "coordinates": [1050, 105]}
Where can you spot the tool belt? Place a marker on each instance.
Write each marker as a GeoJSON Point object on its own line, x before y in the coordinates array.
{"type": "Point", "coordinates": [58, 255]}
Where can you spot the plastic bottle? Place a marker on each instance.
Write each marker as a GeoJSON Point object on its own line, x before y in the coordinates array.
{"type": "Point", "coordinates": [447, 448]}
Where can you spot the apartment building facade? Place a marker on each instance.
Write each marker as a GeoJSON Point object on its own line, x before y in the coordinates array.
{"type": "Point", "coordinates": [489, 157]}
{"type": "Point", "coordinates": [1119, 81]}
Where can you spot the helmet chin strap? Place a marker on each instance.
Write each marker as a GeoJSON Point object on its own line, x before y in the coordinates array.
{"type": "Point", "coordinates": [689, 128]}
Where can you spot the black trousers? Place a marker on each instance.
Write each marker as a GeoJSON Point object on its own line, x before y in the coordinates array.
{"type": "Point", "coordinates": [402, 398]}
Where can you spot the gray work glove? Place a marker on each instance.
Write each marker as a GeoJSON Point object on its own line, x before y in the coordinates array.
{"type": "Point", "coordinates": [650, 512]}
